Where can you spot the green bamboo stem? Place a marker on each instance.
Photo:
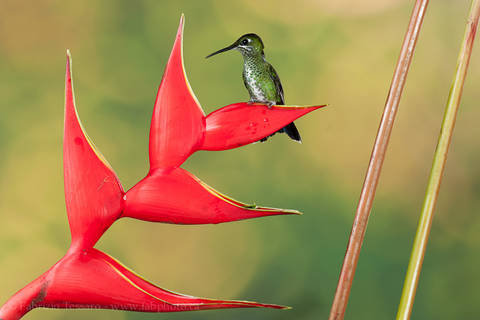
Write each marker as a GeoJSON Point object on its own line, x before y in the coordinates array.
{"type": "Point", "coordinates": [438, 166]}
{"type": "Point", "coordinates": [372, 177]}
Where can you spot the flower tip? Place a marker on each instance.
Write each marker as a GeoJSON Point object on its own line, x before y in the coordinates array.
{"type": "Point", "coordinates": [69, 62]}
{"type": "Point", "coordinates": [68, 66]}
{"type": "Point", "coordinates": [315, 107]}
{"type": "Point", "coordinates": [290, 211]}
{"type": "Point", "coordinates": [274, 306]}
{"type": "Point", "coordinates": [284, 211]}
{"type": "Point", "coordinates": [182, 21]}
{"type": "Point", "coordinates": [275, 211]}
{"type": "Point", "coordinates": [262, 305]}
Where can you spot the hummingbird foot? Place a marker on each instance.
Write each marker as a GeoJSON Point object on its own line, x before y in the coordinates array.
{"type": "Point", "coordinates": [269, 104]}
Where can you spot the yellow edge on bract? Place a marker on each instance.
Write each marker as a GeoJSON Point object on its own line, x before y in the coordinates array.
{"type": "Point", "coordinates": [182, 21]}
{"type": "Point", "coordinates": [90, 142]}
{"type": "Point", "coordinates": [299, 107]}
{"type": "Point", "coordinates": [133, 284]}
{"type": "Point", "coordinates": [245, 206]}
{"type": "Point", "coordinates": [155, 297]}
{"type": "Point", "coordinates": [139, 276]}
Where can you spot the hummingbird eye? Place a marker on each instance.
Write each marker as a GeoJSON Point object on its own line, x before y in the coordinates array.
{"type": "Point", "coordinates": [244, 42]}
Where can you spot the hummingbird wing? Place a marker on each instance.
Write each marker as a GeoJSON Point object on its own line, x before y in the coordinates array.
{"type": "Point", "coordinates": [278, 85]}
{"type": "Point", "coordinates": [290, 129]}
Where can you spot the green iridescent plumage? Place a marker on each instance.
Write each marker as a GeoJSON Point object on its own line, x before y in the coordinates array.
{"type": "Point", "coordinates": [259, 77]}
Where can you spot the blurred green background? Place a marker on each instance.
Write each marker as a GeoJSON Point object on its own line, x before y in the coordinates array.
{"type": "Point", "coordinates": [326, 51]}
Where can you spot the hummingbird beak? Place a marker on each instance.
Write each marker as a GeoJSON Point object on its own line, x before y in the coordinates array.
{"type": "Point", "coordinates": [230, 47]}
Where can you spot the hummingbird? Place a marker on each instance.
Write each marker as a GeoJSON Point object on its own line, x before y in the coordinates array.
{"type": "Point", "coordinates": [260, 78]}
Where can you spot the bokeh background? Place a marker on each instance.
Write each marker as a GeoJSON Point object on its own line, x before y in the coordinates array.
{"type": "Point", "coordinates": [326, 51]}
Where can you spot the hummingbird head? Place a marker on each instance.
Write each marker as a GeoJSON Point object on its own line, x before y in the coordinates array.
{"type": "Point", "coordinates": [249, 44]}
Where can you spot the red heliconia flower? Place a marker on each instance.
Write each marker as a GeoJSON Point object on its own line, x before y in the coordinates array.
{"type": "Point", "coordinates": [88, 278]}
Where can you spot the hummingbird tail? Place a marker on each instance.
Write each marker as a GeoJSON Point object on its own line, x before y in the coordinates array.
{"type": "Point", "coordinates": [292, 131]}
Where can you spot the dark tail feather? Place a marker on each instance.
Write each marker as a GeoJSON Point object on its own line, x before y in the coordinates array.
{"type": "Point", "coordinates": [292, 131]}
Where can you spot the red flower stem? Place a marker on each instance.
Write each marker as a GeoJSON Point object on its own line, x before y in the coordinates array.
{"type": "Point", "coordinates": [24, 300]}
{"type": "Point", "coordinates": [364, 207]}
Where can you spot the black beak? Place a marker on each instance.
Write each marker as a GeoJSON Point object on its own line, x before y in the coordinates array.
{"type": "Point", "coordinates": [230, 47]}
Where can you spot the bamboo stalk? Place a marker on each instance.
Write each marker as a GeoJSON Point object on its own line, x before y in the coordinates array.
{"type": "Point", "coordinates": [438, 166]}
{"type": "Point", "coordinates": [364, 206]}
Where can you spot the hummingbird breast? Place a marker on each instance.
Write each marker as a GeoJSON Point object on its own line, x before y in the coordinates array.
{"type": "Point", "coordinates": [258, 82]}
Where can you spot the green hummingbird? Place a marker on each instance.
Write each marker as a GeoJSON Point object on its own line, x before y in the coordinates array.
{"type": "Point", "coordinates": [260, 78]}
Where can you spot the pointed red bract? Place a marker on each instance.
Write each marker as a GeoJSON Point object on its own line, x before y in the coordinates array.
{"type": "Point", "coordinates": [93, 194]}
{"type": "Point", "coordinates": [178, 120]}
{"type": "Point", "coordinates": [242, 123]}
{"type": "Point", "coordinates": [177, 196]}
{"type": "Point", "coordinates": [92, 279]}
